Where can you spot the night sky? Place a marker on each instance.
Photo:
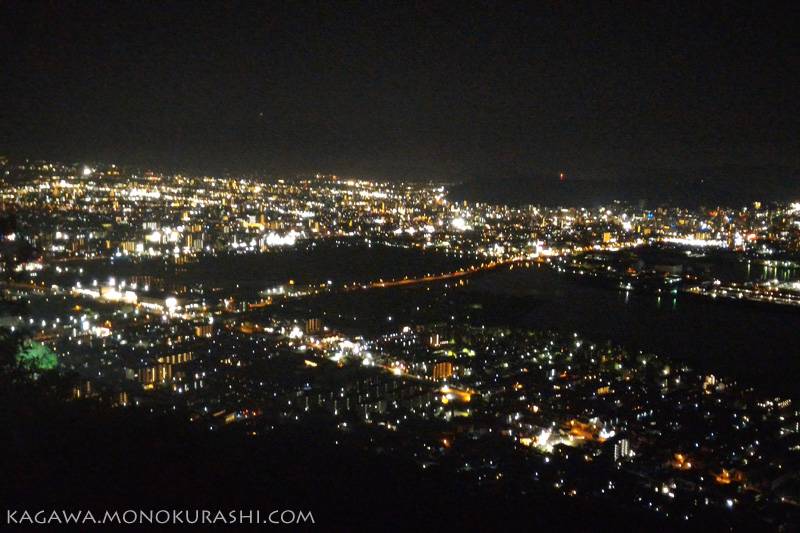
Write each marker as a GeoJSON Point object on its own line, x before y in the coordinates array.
{"type": "Point", "coordinates": [403, 90]}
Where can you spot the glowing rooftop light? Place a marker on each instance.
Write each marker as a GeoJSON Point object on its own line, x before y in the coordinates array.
{"type": "Point", "coordinates": [459, 223]}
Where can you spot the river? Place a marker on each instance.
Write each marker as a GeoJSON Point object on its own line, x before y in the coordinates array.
{"type": "Point", "coordinates": [759, 345]}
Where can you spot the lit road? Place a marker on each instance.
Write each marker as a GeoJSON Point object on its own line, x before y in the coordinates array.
{"type": "Point", "coordinates": [450, 275]}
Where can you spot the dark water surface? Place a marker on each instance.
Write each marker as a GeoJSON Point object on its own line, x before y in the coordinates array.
{"type": "Point", "coordinates": [338, 262]}
{"type": "Point", "coordinates": [757, 344]}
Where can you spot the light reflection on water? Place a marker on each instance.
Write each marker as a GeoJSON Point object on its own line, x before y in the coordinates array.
{"type": "Point", "coordinates": [755, 343]}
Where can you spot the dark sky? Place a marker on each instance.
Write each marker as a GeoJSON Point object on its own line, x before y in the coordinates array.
{"type": "Point", "coordinates": [402, 90]}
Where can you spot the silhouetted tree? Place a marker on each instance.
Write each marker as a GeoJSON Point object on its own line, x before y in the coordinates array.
{"type": "Point", "coordinates": [14, 249]}
{"type": "Point", "coordinates": [11, 370]}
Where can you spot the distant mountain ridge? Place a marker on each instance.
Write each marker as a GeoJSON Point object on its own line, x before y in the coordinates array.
{"type": "Point", "coordinates": [729, 185]}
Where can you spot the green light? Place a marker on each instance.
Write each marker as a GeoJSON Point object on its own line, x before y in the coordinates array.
{"type": "Point", "coordinates": [36, 356]}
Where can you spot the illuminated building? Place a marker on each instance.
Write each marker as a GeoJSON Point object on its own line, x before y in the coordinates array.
{"type": "Point", "coordinates": [313, 325]}
{"type": "Point", "coordinates": [622, 450]}
{"type": "Point", "coordinates": [442, 370]}
{"type": "Point", "coordinates": [158, 373]}
{"type": "Point", "coordinates": [204, 330]}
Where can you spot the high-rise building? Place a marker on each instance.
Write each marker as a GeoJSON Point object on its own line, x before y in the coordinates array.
{"type": "Point", "coordinates": [313, 325]}
{"type": "Point", "coordinates": [442, 370]}
{"type": "Point", "coordinates": [622, 450]}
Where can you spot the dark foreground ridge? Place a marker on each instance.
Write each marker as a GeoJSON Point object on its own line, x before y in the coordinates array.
{"type": "Point", "coordinates": [84, 456]}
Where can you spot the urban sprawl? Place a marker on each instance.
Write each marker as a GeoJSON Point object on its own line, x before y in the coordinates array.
{"type": "Point", "coordinates": [98, 261]}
